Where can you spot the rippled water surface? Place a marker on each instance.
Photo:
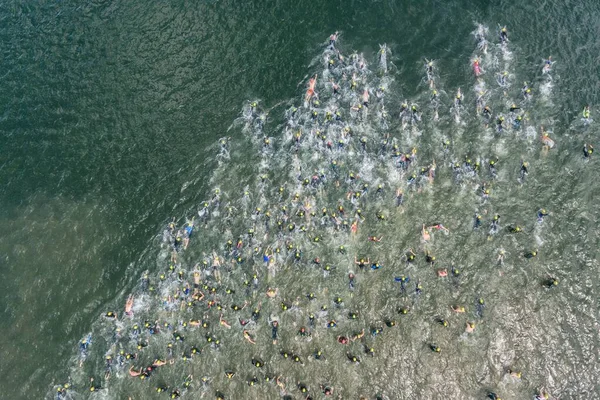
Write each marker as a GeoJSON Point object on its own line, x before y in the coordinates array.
{"type": "Point", "coordinates": [111, 126]}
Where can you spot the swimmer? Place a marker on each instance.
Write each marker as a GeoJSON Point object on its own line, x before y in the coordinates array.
{"type": "Point", "coordinates": [470, 327]}
{"type": "Point", "coordinates": [430, 74]}
{"type": "Point", "coordinates": [429, 67]}
{"type": "Point", "coordinates": [403, 281]}
{"type": "Point", "coordinates": [586, 113]}
{"type": "Point", "coordinates": [495, 226]}
{"type": "Point", "coordinates": [425, 234]}
{"type": "Point", "coordinates": [442, 322]}
{"type": "Point", "coordinates": [503, 35]}
{"type": "Point", "coordinates": [303, 332]}
{"type": "Point", "coordinates": [434, 96]}
{"type": "Point", "coordinates": [354, 227]}
{"type": "Point", "coordinates": [429, 259]}
{"type": "Point", "coordinates": [415, 113]}
{"type": "Point", "coordinates": [418, 288]}
{"type": "Point", "coordinates": [550, 282]}
{"type": "Point", "coordinates": [403, 310]}
{"type": "Point", "coordinates": [257, 362]}
{"type": "Point", "coordinates": [547, 65]}
{"type": "Point", "coordinates": [530, 254]}
{"type": "Point", "coordinates": [499, 123]}
{"type": "Point", "coordinates": [128, 306]}
{"type": "Point", "coordinates": [327, 390]}
{"type": "Point", "coordinates": [439, 227]}
{"type": "Point", "coordinates": [365, 98]}
{"type": "Point", "coordinates": [353, 82]}
{"type": "Point", "coordinates": [351, 282]}
{"type": "Point", "coordinates": [196, 278]}
{"type": "Point", "coordinates": [271, 293]}
{"type": "Point", "coordinates": [541, 213]}
{"type": "Point", "coordinates": [476, 68]}
{"type": "Point", "coordinates": [457, 309]}
{"type": "Point", "coordinates": [514, 229]}
{"type": "Point", "coordinates": [482, 43]}
{"type": "Point", "coordinates": [399, 197]}
{"type": "Point", "coordinates": [248, 337]}
{"type": "Point", "coordinates": [546, 140]}
{"type": "Point", "coordinates": [333, 39]}
{"type": "Point", "coordinates": [310, 92]}
{"type": "Point", "coordinates": [376, 330]}
{"type": "Point", "coordinates": [526, 91]}
{"type": "Point", "coordinates": [302, 387]}
{"type": "Point", "coordinates": [362, 263]}
{"type": "Point", "coordinates": [355, 107]}
{"type": "Point", "coordinates": [480, 101]}
{"type": "Point", "coordinates": [500, 258]}
{"type": "Point", "coordinates": [455, 274]}
{"type": "Point", "coordinates": [158, 362]}
{"type": "Point", "coordinates": [94, 387]}
{"type": "Point", "coordinates": [458, 98]}
{"type": "Point", "coordinates": [410, 256]}
{"type": "Point", "coordinates": [517, 122]}
{"type": "Point", "coordinates": [111, 315]}
{"type": "Point", "coordinates": [223, 322]}
{"type": "Point", "coordinates": [336, 90]}
{"type": "Point", "coordinates": [514, 374]}
{"type": "Point", "coordinates": [83, 348]}
{"type": "Point", "coordinates": [431, 171]}
{"type": "Point", "coordinates": [133, 372]}
{"type": "Point", "coordinates": [588, 149]}
{"type": "Point", "coordinates": [374, 239]}
{"type": "Point", "coordinates": [403, 108]}
{"type": "Point", "coordinates": [358, 335]}
{"type": "Point", "coordinates": [487, 113]}
{"type": "Point", "coordinates": [542, 395]}
{"type": "Point", "coordinates": [477, 222]}
{"type": "Point", "coordinates": [61, 391]}
{"type": "Point", "coordinates": [353, 358]}
{"type": "Point", "coordinates": [492, 165]}
{"type": "Point", "coordinates": [442, 273]}
{"type": "Point", "coordinates": [274, 329]}
{"type": "Point", "coordinates": [524, 170]}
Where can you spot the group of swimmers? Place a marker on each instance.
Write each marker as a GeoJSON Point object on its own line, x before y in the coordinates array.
{"type": "Point", "coordinates": [202, 299]}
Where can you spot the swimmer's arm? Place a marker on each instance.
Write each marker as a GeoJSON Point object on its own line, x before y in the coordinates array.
{"type": "Point", "coordinates": [279, 383]}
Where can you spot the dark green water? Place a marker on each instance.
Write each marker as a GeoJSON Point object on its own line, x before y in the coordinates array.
{"type": "Point", "coordinates": [110, 112]}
